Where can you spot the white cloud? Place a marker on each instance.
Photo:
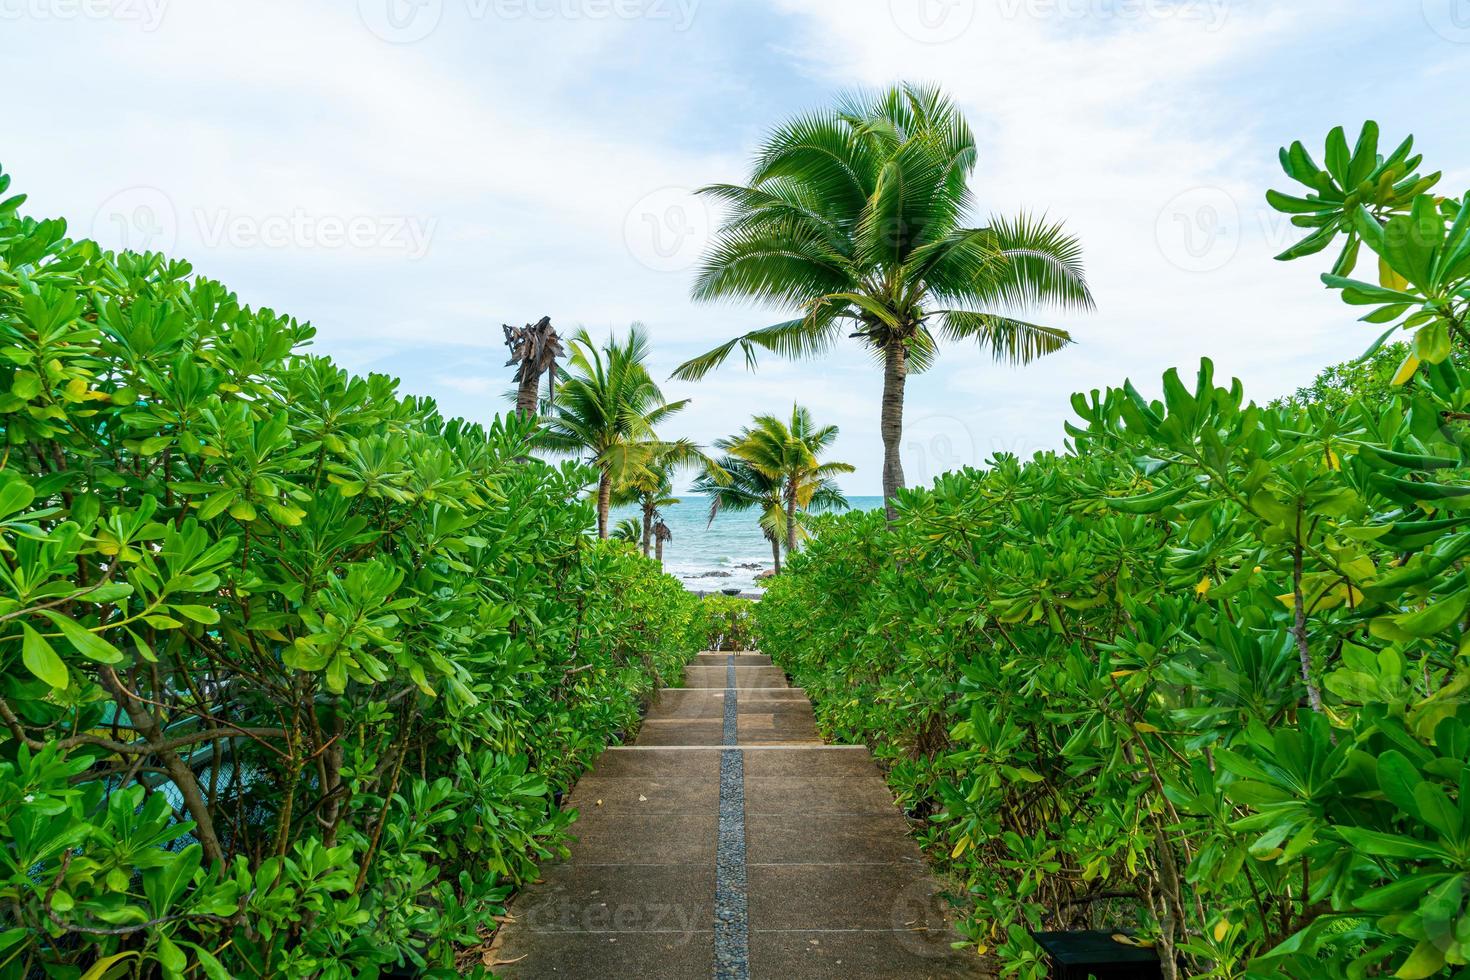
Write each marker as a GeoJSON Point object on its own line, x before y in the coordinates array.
{"type": "Point", "coordinates": [1129, 128]}
{"type": "Point", "coordinates": [539, 154]}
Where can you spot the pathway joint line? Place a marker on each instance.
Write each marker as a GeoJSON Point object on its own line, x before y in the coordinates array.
{"type": "Point", "coordinates": [732, 915]}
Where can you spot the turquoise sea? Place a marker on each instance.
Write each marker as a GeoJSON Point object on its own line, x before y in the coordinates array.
{"type": "Point", "coordinates": [727, 554]}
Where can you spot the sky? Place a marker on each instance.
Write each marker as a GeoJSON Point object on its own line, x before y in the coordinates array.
{"type": "Point", "coordinates": [408, 175]}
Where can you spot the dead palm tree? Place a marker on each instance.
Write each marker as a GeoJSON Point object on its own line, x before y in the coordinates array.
{"type": "Point", "coordinates": [535, 348]}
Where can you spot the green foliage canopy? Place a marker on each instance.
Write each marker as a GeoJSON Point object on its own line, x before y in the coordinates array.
{"type": "Point", "coordinates": [294, 668]}
{"type": "Point", "coordinates": [1204, 674]}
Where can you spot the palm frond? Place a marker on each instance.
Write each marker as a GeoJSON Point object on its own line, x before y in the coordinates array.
{"type": "Point", "coordinates": [861, 213]}
{"type": "Point", "coordinates": [1039, 265]}
{"type": "Point", "coordinates": [1007, 339]}
{"type": "Point", "coordinates": [812, 335]}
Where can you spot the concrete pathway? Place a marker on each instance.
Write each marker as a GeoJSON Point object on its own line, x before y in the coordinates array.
{"type": "Point", "coordinates": [729, 842]}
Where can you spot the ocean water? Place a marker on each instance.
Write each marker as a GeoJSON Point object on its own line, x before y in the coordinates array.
{"type": "Point", "coordinates": [727, 554]}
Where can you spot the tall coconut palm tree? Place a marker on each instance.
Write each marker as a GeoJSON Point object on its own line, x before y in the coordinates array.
{"type": "Point", "coordinates": [859, 218]}
{"type": "Point", "coordinates": [607, 407]}
{"type": "Point", "coordinates": [788, 452]}
{"type": "Point", "coordinates": [773, 468]}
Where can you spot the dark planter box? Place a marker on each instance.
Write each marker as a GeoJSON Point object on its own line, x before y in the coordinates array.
{"type": "Point", "coordinates": [1079, 955]}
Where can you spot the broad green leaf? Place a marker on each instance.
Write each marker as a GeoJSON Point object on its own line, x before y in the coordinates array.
{"type": "Point", "coordinates": [84, 641]}
{"type": "Point", "coordinates": [207, 615]}
{"type": "Point", "coordinates": [41, 660]}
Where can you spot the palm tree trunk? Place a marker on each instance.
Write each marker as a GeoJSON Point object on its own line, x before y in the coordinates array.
{"type": "Point", "coordinates": [604, 502]}
{"type": "Point", "coordinates": [776, 551]}
{"type": "Point", "coordinates": [658, 549]}
{"type": "Point", "coordinates": [648, 530]}
{"type": "Point", "coordinates": [895, 371]}
{"type": "Point", "coordinates": [790, 520]}
{"type": "Point", "coordinates": [528, 397]}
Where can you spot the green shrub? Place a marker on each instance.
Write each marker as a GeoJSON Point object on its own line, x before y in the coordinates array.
{"type": "Point", "coordinates": [295, 669]}
{"type": "Point", "coordinates": [1205, 674]}
{"type": "Point", "coordinates": [727, 622]}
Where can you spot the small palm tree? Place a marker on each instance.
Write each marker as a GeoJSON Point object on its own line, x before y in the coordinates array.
{"type": "Point", "coordinates": [789, 454]}
{"type": "Point", "coordinates": [627, 530]}
{"type": "Point", "coordinates": [651, 486]}
{"type": "Point", "coordinates": [774, 468]}
{"type": "Point", "coordinates": [608, 407]}
{"type": "Point", "coordinates": [746, 488]}
{"type": "Point", "coordinates": [859, 218]}
{"type": "Point", "coordinates": [661, 534]}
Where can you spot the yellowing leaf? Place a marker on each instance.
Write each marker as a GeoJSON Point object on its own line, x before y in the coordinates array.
{"type": "Point", "coordinates": [1389, 279]}
{"type": "Point", "coordinates": [1425, 961]}
{"type": "Point", "coordinates": [1222, 929]}
{"type": "Point", "coordinates": [102, 967]}
{"type": "Point", "coordinates": [1406, 370]}
{"type": "Point", "coordinates": [961, 847]}
{"type": "Point", "coordinates": [1203, 588]}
